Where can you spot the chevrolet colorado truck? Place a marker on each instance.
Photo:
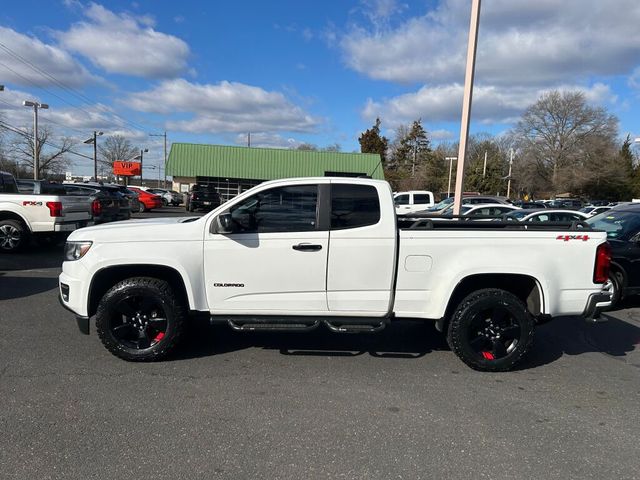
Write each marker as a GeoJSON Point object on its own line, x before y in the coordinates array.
{"type": "Point", "coordinates": [47, 213]}
{"type": "Point", "coordinates": [296, 254]}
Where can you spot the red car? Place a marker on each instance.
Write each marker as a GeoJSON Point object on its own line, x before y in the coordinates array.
{"type": "Point", "coordinates": [146, 201]}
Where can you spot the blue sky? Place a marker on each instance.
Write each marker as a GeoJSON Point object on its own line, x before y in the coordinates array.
{"type": "Point", "coordinates": [300, 71]}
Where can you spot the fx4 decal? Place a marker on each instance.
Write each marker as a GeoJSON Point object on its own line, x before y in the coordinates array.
{"type": "Point", "coordinates": [31, 204]}
{"type": "Point", "coordinates": [566, 238]}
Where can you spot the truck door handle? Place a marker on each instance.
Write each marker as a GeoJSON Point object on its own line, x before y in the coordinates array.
{"type": "Point", "coordinates": [307, 247]}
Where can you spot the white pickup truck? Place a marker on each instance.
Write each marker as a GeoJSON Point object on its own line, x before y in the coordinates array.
{"type": "Point", "coordinates": [42, 215]}
{"type": "Point", "coordinates": [300, 253]}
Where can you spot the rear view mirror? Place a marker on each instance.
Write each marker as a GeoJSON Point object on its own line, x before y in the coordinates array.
{"type": "Point", "coordinates": [224, 224]}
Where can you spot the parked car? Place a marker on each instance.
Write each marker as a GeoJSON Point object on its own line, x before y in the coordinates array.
{"type": "Point", "coordinates": [202, 197]}
{"type": "Point", "coordinates": [413, 201]}
{"type": "Point", "coordinates": [546, 215]}
{"type": "Point", "coordinates": [593, 210]}
{"type": "Point", "coordinates": [484, 209]}
{"type": "Point", "coordinates": [568, 203]}
{"type": "Point", "coordinates": [529, 204]}
{"type": "Point", "coordinates": [622, 225]}
{"type": "Point", "coordinates": [147, 201]}
{"type": "Point", "coordinates": [134, 203]}
{"type": "Point", "coordinates": [118, 199]}
{"type": "Point", "coordinates": [105, 206]}
{"type": "Point", "coordinates": [446, 205]}
{"type": "Point", "coordinates": [40, 215]}
{"type": "Point", "coordinates": [169, 197]}
{"type": "Point", "coordinates": [297, 254]}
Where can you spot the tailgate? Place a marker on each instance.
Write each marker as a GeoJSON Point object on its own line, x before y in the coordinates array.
{"type": "Point", "coordinates": [75, 208]}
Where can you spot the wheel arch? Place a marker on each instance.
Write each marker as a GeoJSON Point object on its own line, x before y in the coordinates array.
{"type": "Point", "coordinates": [107, 277]}
{"type": "Point", "coordinates": [11, 215]}
{"type": "Point", "coordinates": [527, 288]}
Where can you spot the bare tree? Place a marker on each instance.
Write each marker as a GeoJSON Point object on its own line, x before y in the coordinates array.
{"type": "Point", "coordinates": [116, 148]}
{"type": "Point", "coordinates": [52, 152]}
{"type": "Point", "coordinates": [559, 132]}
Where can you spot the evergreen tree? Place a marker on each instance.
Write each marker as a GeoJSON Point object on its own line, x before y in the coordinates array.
{"type": "Point", "coordinates": [372, 142]}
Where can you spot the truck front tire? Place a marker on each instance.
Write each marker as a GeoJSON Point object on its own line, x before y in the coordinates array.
{"type": "Point", "coordinates": [141, 319]}
{"type": "Point", "coordinates": [491, 330]}
{"type": "Point", "coordinates": [13, 235]}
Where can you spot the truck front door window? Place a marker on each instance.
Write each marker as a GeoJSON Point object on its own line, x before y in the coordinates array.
{"type": "Point", "coordinates": [283, 209]}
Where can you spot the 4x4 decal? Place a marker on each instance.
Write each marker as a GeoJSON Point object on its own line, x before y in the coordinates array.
{"type": "Point", "coordinates": [566, 238]}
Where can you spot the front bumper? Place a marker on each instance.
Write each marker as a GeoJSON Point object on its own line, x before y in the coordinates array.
{"type": "Point", "coordinates": [82, 321]}
{"type": "Point", "coordinates": [596, 304]}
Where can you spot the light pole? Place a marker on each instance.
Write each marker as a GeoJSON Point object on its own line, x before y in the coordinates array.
{"type": "Point", "coordinates": [36, 150]}
{"type": "Point", "coordinates": [165, 154]}
{"type": "Point", "coordinates": [509, 176]}
{"type": "Point", "coordinates": [142, 152]}
{"type": "Point", "coordinates": [451, 159]}
{"type": "Point", "coordinates": [94, 140]}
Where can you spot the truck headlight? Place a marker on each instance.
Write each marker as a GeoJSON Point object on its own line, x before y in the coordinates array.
{"type": "Point", "coordinates": [75, 250]}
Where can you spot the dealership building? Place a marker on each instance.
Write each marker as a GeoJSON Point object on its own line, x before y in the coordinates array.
{"type": "Point", "coordinates": [232, 170]}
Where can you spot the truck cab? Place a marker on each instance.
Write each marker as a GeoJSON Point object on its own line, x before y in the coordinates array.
{"type": "Point", "coordinates": [413, 201]}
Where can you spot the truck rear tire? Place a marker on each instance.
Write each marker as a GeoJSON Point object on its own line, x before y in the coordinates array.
{"type": "Point", "coordinates": [491, 330]}
{"type": "Point", "coordinates": [13, 235]}
{"type": "Point", "coordinates": [141, 319]}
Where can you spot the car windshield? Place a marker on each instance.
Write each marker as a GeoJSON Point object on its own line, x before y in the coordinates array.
{"type": "Point", "coordinates": [616, 224]}
{"type": "Point", "coordinates": [443, 204]}
{"type": "Point", "coordinates": [518, 214]}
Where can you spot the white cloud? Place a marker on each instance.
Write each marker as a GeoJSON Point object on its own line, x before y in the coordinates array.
{"type": "Point", "coordinates": [77, 123]}
{"type": "Point", "coordinates": [223, 107]}
{"type": "Point", "coordinates": [529, 43]}
{"type": "Point", "coordinates": [122, 43]}
{"type": "Point", "coordinates": [51, 59]}
{"type": "Point", "coordinates": [491, 104]}
{"type": "Point", "coordinates": [267, 140]}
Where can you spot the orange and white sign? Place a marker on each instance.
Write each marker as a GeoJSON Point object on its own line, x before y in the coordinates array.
{"type": "Point", "coordinates": [126, 169]}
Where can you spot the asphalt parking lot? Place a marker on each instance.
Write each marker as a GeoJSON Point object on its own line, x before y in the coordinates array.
{"type": "Point", "coordinates": [397, 404]}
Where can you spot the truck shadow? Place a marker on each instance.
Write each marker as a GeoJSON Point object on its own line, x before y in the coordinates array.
{"type": "Point", "coordinates": [33, 257]}
{"type": "Point", "coordinates": [412, 340]}
{"type": "Point", "coordinates": [574, 336]}
{"type": "Point", "coordinates": [12, 287]}
{"type": "Point", "coordinates": [401, 339]}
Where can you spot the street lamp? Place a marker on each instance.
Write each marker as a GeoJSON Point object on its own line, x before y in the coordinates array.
{"type": "Point", "coordinates": [451, 160]}
{"type": "Point", "coordinates": [94, 140]}
{"type": "Point", "coordinates": [36, 152]}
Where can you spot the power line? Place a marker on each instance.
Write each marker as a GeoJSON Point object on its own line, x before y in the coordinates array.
{"type": "Point", "coordinates": [53, 121]}
{"type": "Point", "coordinates": [62, 85]}
{"type": "Point", "coordinates": [26, 135]}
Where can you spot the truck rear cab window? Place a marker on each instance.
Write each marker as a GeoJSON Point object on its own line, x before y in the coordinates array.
{"type": "Point", "coordinates": [282, 209]}
{"type": "Point", "coordinates": [421, 198]}
{"type": "Point", "coordinates": [354, 206]}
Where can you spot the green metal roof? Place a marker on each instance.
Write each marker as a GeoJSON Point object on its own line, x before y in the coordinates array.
{"type": "Point", "coordinates": [190, 160]}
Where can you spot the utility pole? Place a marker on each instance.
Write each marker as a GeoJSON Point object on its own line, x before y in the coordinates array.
{"type": "Point", "coordinates": [466, 102]}
{"type": "Point", "coordinates": [94, 140]}
{"type": "Point", "coordinates": [249, 139]}
{"type": "Point", "coordinates": [142, 152]}
{"type": "Point", "coordinates": [36, 149]}
{"type": "Point", "coordinates": [484, 169]}
{"type": "Point", "coordinates": [165, 154]}
{"type": "Point", "coordinates": [451, 159]}
{"type": "Point", "coordinates": [509, 177]}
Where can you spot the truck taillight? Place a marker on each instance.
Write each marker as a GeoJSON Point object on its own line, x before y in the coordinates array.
{"type": "Point", "coordinates": [55, 209]}
{"type": "Point", "coordinates": [603, 262]}
{"type": "Point", "coordinates": [96, 208]}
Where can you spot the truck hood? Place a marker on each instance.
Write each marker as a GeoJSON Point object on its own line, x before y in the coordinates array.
{"type": "Point", "coordinates": [147, 229]}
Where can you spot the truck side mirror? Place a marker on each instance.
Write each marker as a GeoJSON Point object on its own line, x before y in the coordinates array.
{"type": "Point", "coordinates": [223, 224]}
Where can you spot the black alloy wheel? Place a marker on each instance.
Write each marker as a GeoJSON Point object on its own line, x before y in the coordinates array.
{"type": "Point", "coordinates": [140, 319]}
{"type": "Point", "coordinates": [491, 330]}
